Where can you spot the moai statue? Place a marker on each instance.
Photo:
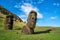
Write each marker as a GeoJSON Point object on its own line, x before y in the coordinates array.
{"type": "Point", "coordinates": [31, 22]}
{"type": "Point", "coordinates": [9, 22]}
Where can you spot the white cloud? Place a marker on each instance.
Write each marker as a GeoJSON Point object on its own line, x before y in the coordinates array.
{"type": "Point", "coordinates": [53, 17]}
{"type": "Point", "coordinates": [26, 7]}
{"type": "Point", "coordinates": [40, 1]}
{"type": "Point", "coordinates": [17, 6]}
{"type": "Point", "coordinates": [23, 17]}
{"type": "Point", "coordinates": [56, 4]}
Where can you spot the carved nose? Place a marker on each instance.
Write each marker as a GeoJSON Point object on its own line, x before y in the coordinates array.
{"type": "Point", "coordinates": [32, 18]}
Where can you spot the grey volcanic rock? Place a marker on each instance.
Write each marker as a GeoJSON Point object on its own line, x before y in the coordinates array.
{"type": "Point", "coordinates": [31, 22]}
{"type": "Point", "coordinates": [9, 22]}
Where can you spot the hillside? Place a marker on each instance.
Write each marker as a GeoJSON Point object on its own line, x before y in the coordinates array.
{"type": "Point", "coordinates": [17, 21]}
{"type": "Point", "coordinates": [5, 12]}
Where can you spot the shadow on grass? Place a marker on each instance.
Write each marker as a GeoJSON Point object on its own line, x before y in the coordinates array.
{"type": "Point", "coordinates": [46, 31]}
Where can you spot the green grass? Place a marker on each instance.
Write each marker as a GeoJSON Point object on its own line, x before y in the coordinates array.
{"type": "Point", "coordinates": [16, 34]}
{"type": "Point", "coordinates": [9, 35]}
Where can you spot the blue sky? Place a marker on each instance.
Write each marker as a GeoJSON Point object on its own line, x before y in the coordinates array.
{"type": "Point", "coordinates": [48, 10]}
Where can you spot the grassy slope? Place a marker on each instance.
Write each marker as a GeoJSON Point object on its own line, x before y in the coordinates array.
{"type": "Point", "coordinates": [16, 34]}
{"type": "Point", "coordinates": [2, 17]}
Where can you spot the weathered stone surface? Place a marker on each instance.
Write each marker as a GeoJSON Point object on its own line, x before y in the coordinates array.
{"type": "Point", "coordinates": [9, 22]}
{"type": "Point", "coordinates": [31, 22]}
